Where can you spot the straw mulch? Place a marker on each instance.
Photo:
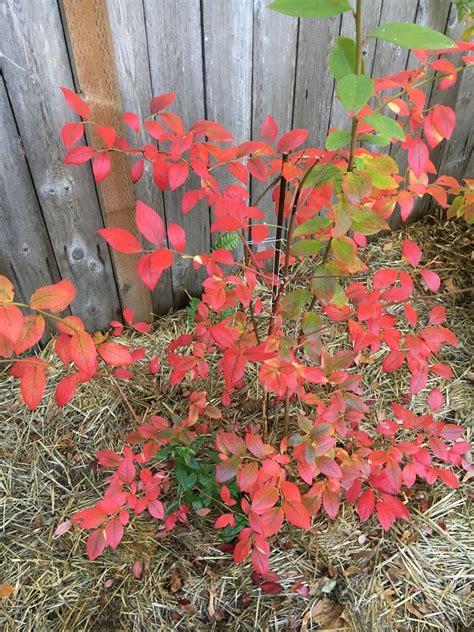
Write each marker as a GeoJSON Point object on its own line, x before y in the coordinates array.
{"type": "Point", "coordinates": [417, 577]}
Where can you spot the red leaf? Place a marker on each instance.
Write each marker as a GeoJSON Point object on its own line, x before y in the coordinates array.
{"type": "Point", "coordinates": [11, 322]}
{"type": "Point", "coordinates": [226, 520]}
{"type": "Point", "coordinates": [268, 129]}
{"type": "Point", "coordinates": [54, 297]}
{"type": "Point", "coordinates": [393, 361]}
{"type": "Point", "coordinates": [271, 588]}
{"type": "Point", "coordinates": [65, 390]}
{"type": "Point", "coordinates": [150, 224]}
{"type": "Point", "coordinates": [328, 467]}
{"type": "Point", "coordinates": [297, 514]}
{"type": "Point", "coordinates": [411, 252]}
{"type": "Point", "coordinates": [136, 170]}
{"type": "Point", "coordinates": [366, 505]}
{"type": "Point", "coordinates": [437, 315]}
{"type": "Point", "coordinates": [290, 491]}
{"type": "Point", "coordinates": [406, 201]}
{"type": "Point", "coordinates": [108, 134]}
{"type": "Point", "coordinates": [410, 314]}
{"type": "Point", "coordinates": [156, 509]}
{"type": "Point", "coordinates": [418, 156]}
{"type": "Point", "coordinates": [331, 503]}
{"type": "Point", "coordinates": [101, 166]}
{"type": "Point", "coordinates": [211, 130]}
{"type": "Point", "coordinates": [132, 121]}
{"type": "Point", "coordinates": [71, 133]}
{"type": "Point", "coordinates": [76, 103]}
{"type": "Point", "coordinates": [121, 240]}
{"type": "Point", "coordinates": [123, 374]}
{"type": "Point", "coordinates": [30, 334]}
{"type": "Point", "coordinates": [439, 448]}
{"type": "Point", "coordinates": [108, 458]}
{"type": "Point", "coordinates": [292, 140]}
{"type": "Point", "coordinates": [126, 470]}
{"type": "Point", "coordinates": [242, 549]}
{"type": "Point", "coordinates": [393, 474]}
{"type": "Point", "coordinates": [226, 470]}
{"type": "Point", "coordinates": [448, 478]}
{"type": "Point", "coordinates": [147, 273]}
{"type": "Point", "coordinates": [174, 122]}
{"type": "Point", "coordinates": [177, 237]}
{"type": "Point", "coordinates": [113, 532]}
{"type": "Point", "coordinates": [233, 366]}
{"type": "Point", "coordinates": [162, 101]}
{"type": "Point", "coordinates": [83, 353]}
{"type": "Point", "coordinates": [435, 399]}
{"type": "Point", "coordinates": [89, 518]}
{"type": "Point", "coordinates": [115, 354]}
{"type": "Point", "coordinates": [156, 130]}
{"type": "Point", "coordinates": [33, 383]}
{"type": "Point", "coordinates": [79, 155]}
{"type": "Point", "coordinates": [264, 498]}
{"type": "Point", "coordinates": [95, 544]}
{"type": "Point", "coordinates": [178, 174]}
{"type": "Point", "coordinates": [431, 280]}
{"type": "Point", "coordinates": [154, 365]}
{"type": "Point", "coordinates": [389, 509]}
{"type": "Point", "coordinates": [259, 233]}
{"type": "Point", "coordinates": [384, 278]}
{"type": "Point", "coordinates": [271, 521]}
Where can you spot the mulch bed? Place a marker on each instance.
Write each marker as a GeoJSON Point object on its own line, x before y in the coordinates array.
{"type": "Point", "coordinates": [417, 577]}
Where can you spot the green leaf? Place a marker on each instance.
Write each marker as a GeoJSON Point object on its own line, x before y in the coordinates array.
{"type": "Point", "coordinates": [356, 186]}
{"type": "Point", "coordinates": [228, 241]}
{"type": "Point", "coordinates": [312, 225]}
{"type": "Point", "coordinates": [324, 173]}
{"type": "Point", "coordinates": [354, 91]}
{"type": "Point", "coordinates": [311, 8]}
{"type": "Point", "coordinates": [408, 35]}
{"type": "Point", "coordinates": [374, 139]}
{"type": "Point", "coordinates": [385, 125]}
{"type": "Point", "coordinates": [337, 139]}
{"type": "Point", "coordinates": [367, 222]}
{"type": "Point", "coordinates": [306, 248]}
{"type": "Point", "coordinates": [343, 249]}
{"type": "Point", "coordinates": [292, 303]}
{"type": "Point", "coordinates": [342, 57]}
{"type": "Point", "coordinates": [310, 324]}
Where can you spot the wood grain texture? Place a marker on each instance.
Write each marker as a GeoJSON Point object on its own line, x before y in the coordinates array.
{"type": "Point", "coordinates": [127, 25]}
{"type": "Point", "coordinates": [274, 62]}
{"type": "Point", "coordinates": [34, 63]}
{"type": "Point", "coordinates": [176, 64]}
{"type": "Point", "coordinates": [314, 82]}
{"type": "Point", "coordinates": [26, 256]}
{"type": "Point", "coordinates": [88, 33]}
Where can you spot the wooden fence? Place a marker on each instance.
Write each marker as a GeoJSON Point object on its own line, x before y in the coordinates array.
{"type": "Point", "coordinates": [228, 60]}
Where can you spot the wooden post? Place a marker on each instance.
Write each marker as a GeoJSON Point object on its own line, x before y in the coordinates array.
{"type": "Point", "coordinates": [87, 30]}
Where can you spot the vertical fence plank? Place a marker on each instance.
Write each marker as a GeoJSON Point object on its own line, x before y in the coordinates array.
{"type": "Point", "coordinates": [88, 32]}
{"type": "Point", "coordinates": [35, 64]}
{"type": "Point", "coordinates": [175, 50]}
{"type": "Point", "coordinates": [314, 82]}
{"type": "Point", "coordinates": [26, 256]}
{"type": "Point", "coordinates": [228, 72]}
{"type": "Point", "coordinates": [127, 25]}
{"type": "Point", "coordinates": [274, 63]}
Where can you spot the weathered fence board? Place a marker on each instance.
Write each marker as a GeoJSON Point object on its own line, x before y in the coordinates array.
{"type": "Point", "coordinates": [175, 51]}
{"type": "Point", "coordinates": [234, 62]}
{"type": "Point", "coordinates": [88, 31]}
{"type": "Point", "coordinates": [274, 38]}
{"type": "Point", "coordinates": [26, 255]}
{"type": "Point", "coordinates": [35, 64]}
{"type": "Point", "coordinates": [129, 36]}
